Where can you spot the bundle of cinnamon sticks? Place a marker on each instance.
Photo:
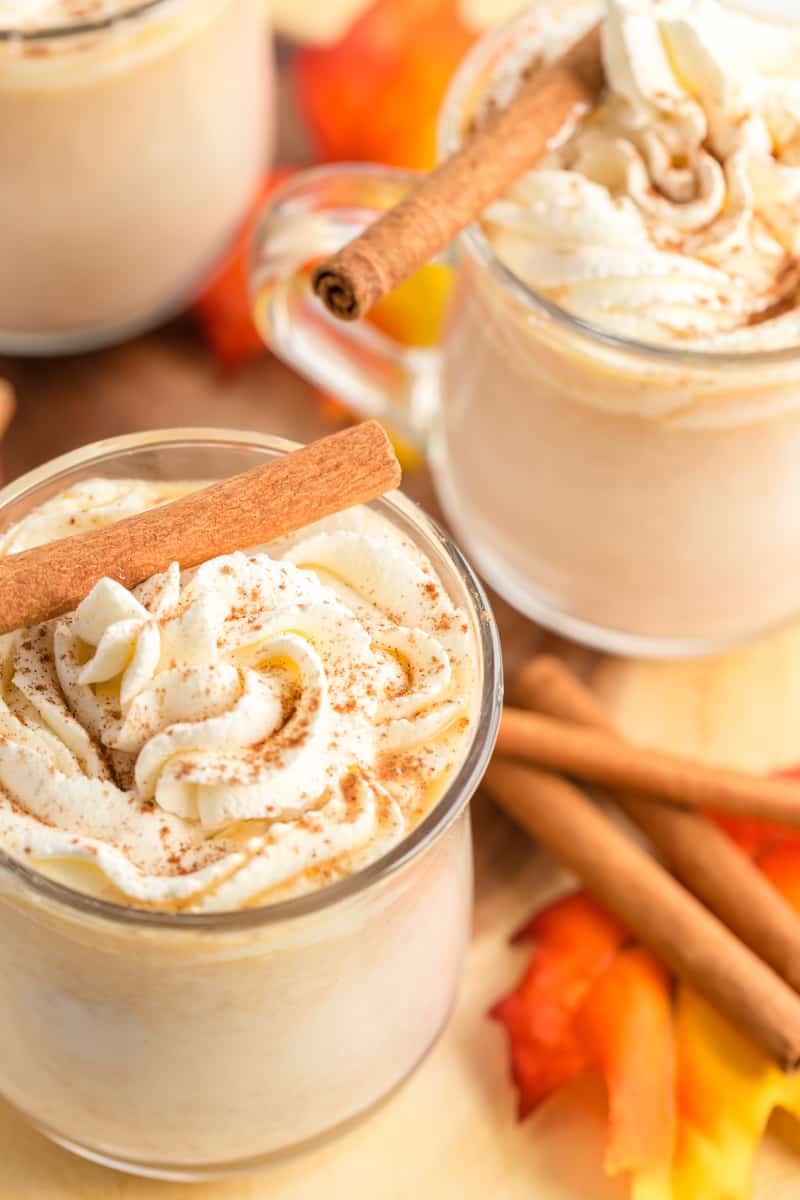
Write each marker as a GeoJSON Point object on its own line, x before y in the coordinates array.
{"type": "Point", "coordinates": [708, 912]}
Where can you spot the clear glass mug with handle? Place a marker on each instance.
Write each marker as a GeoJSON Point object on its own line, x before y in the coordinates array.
{"type": "Point", "coordinates": [641, 499]}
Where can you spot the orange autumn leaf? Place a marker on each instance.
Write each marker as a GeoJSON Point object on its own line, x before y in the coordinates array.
{"type": "Point", "coordinates": [586, 1003]}
{"type": "Point", "coordinates": [538, 1069]}
{"type": "Point", "coordinates": [575, 940]}
{"type": "Point", "coordinates": [781, 865]}
{"type": "Point", "coordinates": [750, 836]}
{"type": "Point", "coordinates": [374, 95]}
{"type": "Point", "coordinates": [223, 306]}
{"type": "Point", "coordinates": [625, 1026]}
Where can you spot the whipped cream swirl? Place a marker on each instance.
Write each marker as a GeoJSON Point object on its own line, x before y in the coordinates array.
{"type": "Point", "coordinates": [235, 734]}
{"type": "Point", "coordinates": [672, 215]}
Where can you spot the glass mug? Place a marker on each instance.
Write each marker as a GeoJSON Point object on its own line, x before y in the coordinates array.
{"type": "Point", "coordinates": [643, 500]}
{"type": "Point", "coordinates": [184, 1046]}
{"type": "Point", "coordinates": [131, 147]}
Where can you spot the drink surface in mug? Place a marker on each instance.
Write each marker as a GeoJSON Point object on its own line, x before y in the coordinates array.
{"type": "Point", "coordinates": [616, 424]}
{"type": "Point", "coordinates": [134, 137]}
{"type": "Point", "coordinates": [235, 857]}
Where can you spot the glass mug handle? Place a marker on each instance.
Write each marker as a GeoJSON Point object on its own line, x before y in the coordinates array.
{"type": "Point", "coordinates": [310, 217]}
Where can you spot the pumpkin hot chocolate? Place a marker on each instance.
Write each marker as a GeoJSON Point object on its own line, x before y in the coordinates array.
{"type": "Point", "coordinates": [235, 863]}
{"type": "Point", "coordinates": [619, 435]}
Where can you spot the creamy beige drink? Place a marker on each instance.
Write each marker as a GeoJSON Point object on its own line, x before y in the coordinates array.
{"type": "Point", "coordinates": [632, 475]}
{"type": "Point", "coordinates": [216, 753]}
{"type": "Point", "coordinates": [614, 414]}
{"type": "Point", "coordinates": [132, 142]}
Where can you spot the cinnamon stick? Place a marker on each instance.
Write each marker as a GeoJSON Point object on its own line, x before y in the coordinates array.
{"type": "Point", "coordinates": [250, 509]}
{"type": "Point", "coordinates": [550, 100]}
{"type": "Point", "coordinates": [545, 684]}
{"type": "Point", "coordinates": [7, 405]}
{"type": "Point", "coordinates": [621, 766]}
{"type": "Point", "coordinates": [653, 905]}
{"type": "Point", "coordinates": [696, 850]}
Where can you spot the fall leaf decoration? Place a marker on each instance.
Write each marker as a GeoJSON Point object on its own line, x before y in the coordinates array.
{"type": "Point", "coordinates": [374, 96]}
{"type": "Point", "coordinates": [574, 942]}
{"type": "Point", "coordinates": [626, 1027]}
{"type": "Point", "coordinates": [223, 306]}
{"type": "Point", "coordinates": [689, 1097]}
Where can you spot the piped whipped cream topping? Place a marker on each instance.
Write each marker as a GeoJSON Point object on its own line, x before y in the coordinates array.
{"type": "Point", "coordinates": [672, 215]}
{"type": "Point", "coordinates": [236, 734]}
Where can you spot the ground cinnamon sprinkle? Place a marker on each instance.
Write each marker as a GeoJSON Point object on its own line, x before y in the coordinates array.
{"type": "Point", "coordinates": [365, 798]}
{"type": "Point", "coordinates": [351, 788]}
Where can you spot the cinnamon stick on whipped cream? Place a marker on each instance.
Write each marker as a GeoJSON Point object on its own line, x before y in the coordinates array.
{"type": "Point", "coordinates": [653, 905]}
{"type": "Point", "coordinates": [551, 100]}
{"type": "Point", "coordinates": [251, 509]}
{"type": "Point", "coordinates": [595, 756]}
{"type": "Point", "coordinates": [707, 861]}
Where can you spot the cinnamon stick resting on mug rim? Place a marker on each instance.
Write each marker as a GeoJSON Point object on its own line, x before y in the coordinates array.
{"type": "Point", "coordinates": [283, 495]}
{"type": "Point", "coordinates": [621, 766]}
{"type": "Point", "coordinates": [654, 906]}
{"type": "Point", "coordinates": [551, 100]}
{"type": "Point", "coordinates": [696, 850]}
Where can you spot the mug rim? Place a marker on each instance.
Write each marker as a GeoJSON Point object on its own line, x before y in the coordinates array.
{"type": "Point", "coordinates": [42, 33]}
{"type": "Point", "coordinates": [473, 239]}
{"type": "Point", "coordinates": [445, 811]}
